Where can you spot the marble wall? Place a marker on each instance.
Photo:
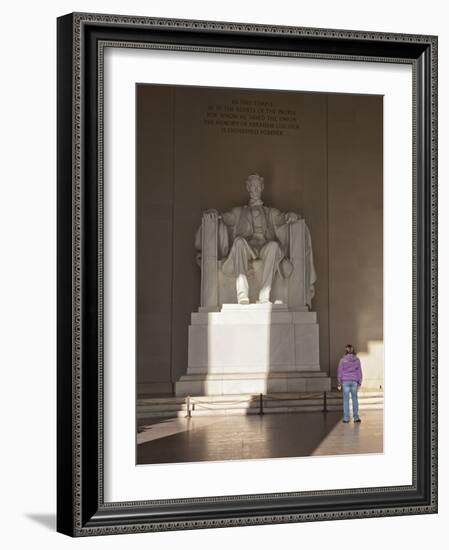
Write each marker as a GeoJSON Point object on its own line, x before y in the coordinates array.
{"type": "Point", "coordinates": [320, 155]}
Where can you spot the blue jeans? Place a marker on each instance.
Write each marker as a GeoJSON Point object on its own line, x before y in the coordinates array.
{"type": "Point", "coordinates": [350, 387]}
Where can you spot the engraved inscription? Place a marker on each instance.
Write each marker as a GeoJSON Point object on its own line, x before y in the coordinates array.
{"type": "Point", "coordinates": [253, 117]}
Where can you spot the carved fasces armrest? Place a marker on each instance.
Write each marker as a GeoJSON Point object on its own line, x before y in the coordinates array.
{"type": "Point", "coordinates": [209, 258]}
{"type": "Point", "coordinates": [286, 225]}
{"type": "Point", "coordinates": [301, 256]}
{"type": "Point", "coordinates": [204, 238]}
{"type": "Point", "coordinates": [215, 239]}
{"type": "Point", "coordinates": [209, 234]}
{"type": "Point", "coordinates": [295, 231]}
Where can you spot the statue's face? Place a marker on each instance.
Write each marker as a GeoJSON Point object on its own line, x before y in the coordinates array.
{"type": "Point", "coordinates": [254, 186]}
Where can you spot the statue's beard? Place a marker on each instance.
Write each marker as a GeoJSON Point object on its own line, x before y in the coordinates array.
{"type": "Point", "coordinates": [255, 202]}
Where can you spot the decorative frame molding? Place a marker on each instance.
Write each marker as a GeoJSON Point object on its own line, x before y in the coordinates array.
{"type": "Point", "coordinates": [81, 41]}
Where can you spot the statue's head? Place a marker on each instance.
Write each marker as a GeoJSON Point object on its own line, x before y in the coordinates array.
{"type": "Point", "coordinates": [254, 186]}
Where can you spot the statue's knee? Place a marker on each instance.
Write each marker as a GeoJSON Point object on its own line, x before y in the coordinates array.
{"type": "Point", "coordinates": [271, 248]}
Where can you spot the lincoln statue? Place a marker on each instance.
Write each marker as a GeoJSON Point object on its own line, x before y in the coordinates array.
{"type": "Point", "coordinates": [256, 234]}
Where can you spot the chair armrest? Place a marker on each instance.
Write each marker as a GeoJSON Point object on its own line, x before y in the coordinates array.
{"type": "Point", "coordinates": [209, 259]}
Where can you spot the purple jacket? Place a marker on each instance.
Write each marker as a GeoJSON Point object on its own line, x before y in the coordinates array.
{"type": "Point", "coordinates": [349, 368]}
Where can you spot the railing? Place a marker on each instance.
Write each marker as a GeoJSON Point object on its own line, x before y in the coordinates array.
{"type": "Point", "coordinates": [192, 404]}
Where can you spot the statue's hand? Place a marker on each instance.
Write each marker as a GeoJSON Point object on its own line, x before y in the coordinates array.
{"type": "Point", "coordinates": [292, 217]}
{"type": "Point", "coordinates": [211, 214]}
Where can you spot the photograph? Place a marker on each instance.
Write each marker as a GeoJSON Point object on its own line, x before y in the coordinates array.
{"type": "Point", "coordinates": [259, 274]}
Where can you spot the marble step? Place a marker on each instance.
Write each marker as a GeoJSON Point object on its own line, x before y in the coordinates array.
{"type": "Point", "coordinates": [156, 400]}
{"type": "Point", "coordinates": [249, 404]}
{"type": "Point", "coordinates": [239, 403]}
{"type": "Point", "coordinates": [170, 400]}
{"type": "Point", "coordinates": [253, 383]}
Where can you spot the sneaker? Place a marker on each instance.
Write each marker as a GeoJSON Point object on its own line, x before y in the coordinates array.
{"type": "Point", "coordinates": [345, 421]}
{"type": "Point", "coordinates": [357, 420]}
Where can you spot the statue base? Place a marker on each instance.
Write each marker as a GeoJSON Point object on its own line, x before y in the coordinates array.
{"type": "Point", "coordinates": [254, 348]}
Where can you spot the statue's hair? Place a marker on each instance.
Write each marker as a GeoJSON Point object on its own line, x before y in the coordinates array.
{"type": "Point", "coordinates": [255, 175]}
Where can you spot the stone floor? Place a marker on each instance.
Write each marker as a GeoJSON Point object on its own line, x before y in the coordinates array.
{"type": "Point", "coordinates": [253, 436]}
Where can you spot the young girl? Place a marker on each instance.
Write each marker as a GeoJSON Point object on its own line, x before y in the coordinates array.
{"type": "Point", "coordinates": [349, 376]}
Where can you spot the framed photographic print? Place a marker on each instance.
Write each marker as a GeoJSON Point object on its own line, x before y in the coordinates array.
{"type": "Point", "coordinates": [247, 292]}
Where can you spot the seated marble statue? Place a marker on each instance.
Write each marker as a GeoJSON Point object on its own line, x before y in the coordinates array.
{"type": "Point", "coordinates": [254, 232]}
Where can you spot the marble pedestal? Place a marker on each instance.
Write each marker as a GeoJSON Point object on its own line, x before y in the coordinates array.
{"type": "Point", "coordinates": [257, 348]}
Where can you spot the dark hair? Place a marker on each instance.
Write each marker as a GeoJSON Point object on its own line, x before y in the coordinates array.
{"type": "Point", "coordinates": [349, 348]}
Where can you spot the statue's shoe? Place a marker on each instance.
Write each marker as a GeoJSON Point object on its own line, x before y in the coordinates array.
{"type": "Point", "coordinates": [243, 301]}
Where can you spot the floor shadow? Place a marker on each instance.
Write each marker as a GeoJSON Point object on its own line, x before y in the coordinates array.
{"type": "Point", "coordinates": [281, 435]}
{"type": "Point", "coordinates": [46, 520]}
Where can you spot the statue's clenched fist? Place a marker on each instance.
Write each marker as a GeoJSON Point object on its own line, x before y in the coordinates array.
{"type": "Point", "coordinates": [292, 217]}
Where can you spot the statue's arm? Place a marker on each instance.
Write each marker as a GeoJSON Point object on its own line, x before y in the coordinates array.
{"type": "Point", "coordinates": [229, 218]}
{"type": "Point", "coordinates": [277, 217]}
{"type": "Point", "coordinates": [282, 218]}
